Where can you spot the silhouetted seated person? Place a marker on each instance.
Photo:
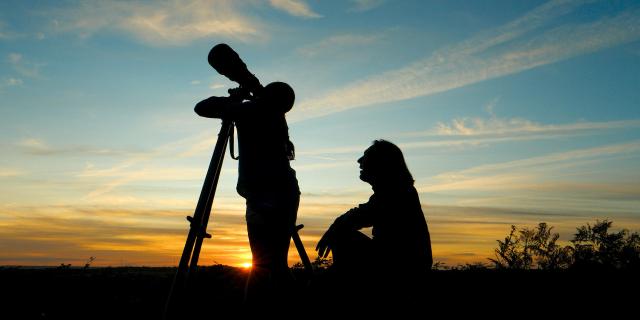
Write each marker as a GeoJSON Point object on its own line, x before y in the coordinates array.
{"type": "Point", "coordinates": [267, 182]}
{"type": "Point", "coordinates": [401, 246]}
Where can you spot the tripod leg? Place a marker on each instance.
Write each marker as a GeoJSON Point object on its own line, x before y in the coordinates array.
{"type": "Point", "coordinates": [301, 251]}
{"type": "Point", "coordinates": [197, 230]}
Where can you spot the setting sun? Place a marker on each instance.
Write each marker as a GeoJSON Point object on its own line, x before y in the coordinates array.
{"type": "Point", "coordinates": [246, 265]}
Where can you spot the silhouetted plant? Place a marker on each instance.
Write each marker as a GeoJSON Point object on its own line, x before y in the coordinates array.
{"type": "Point", "coordinates": [595, 247]}
{"type": "Point", "coordinates": [527, 248]}
{"type": "Point", "coordinates": [548, 254]}
{"type": "Point", "coordinates": [318, 264]}
{"type": "Point", "coordinates": [512, 253]}
{"type": "Point", "coordinates": [322, 263]}
{"type": "Point", "coordinates": [88, 263]}
{"type": "Point", "coordinates": [475, 266]}
{"type": "Point", "coordinates": [439, 265]}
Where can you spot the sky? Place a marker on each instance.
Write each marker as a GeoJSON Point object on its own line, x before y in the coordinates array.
{"type": "Point", "coordinates": [508, 113]}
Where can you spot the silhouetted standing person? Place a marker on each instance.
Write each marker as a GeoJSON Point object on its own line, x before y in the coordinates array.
{"type": "Point", "coordinates": [401, 241]}
{"type": "Point", "coordinates": [267, 182]}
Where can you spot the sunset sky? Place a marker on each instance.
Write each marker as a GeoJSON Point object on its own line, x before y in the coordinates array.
{"type": "Point", "coordinates": [508, 112]}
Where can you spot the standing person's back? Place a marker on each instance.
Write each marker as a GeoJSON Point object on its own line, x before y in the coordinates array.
{"type": "Point", "coordinates": [269, 185]}
{"type": "Point", "coordinates": [264, 156]}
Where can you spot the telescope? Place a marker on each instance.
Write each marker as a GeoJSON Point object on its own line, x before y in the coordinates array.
{"type": "Point", "coordinates": [228, 63]}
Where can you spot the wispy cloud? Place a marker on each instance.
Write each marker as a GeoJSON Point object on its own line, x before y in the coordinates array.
{"type": "Point", "coordinates": [467, 127]}
{"type": "Point", "coordinates": [118, 178]}
{"type": "Point", "coordinates": [365, 5]}
{"type": "Point", "coordinates": [474, 132]}
{"type": "Point", "coordinates": [298, 8]}
{"type": "Point", "coordinates": [24, 67]}
{"type": "Point", "coordinates": [39, 147]}
{"type": "Point", "coordinates": [528, 173]}
{"type": "Point", "coordinates": [11, 82]}
{"type": "Point", "coordinates": [137, 236]}
{"type": "Point", "coordinates": [338, 42]}
{"type": "Point", "coordinates": [166, 22]}
{"type": "Point", "coordinates": [216, 86]}
{"type": "Point", "coordinates": [495, 126]}
{"type": "Point", "coordinates": [4, 31]}
{"type": "Point", "coordinates": [452, 143]}
{"type": "Point", "coordinates": [508, 49]}
{"type": "Point", "coordinates": [144, 166]}
{"type": "Point", "coordinates": [11, 172]}
{"type": "Point", "coordinates": [557, 158]}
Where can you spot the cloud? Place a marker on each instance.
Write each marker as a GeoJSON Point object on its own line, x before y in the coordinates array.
{"type": "Point", "coordinates": [542, 173]}
{"type": "Point", "coordinates": [162, 23]}
{"type": "Point", "coordinates": [12, 82]}
{"type": "Point", "coordinates": [39, 147]}
{"type": "Point", "coordinates": [24, 67]}
{"type": "Point", "coordinates": [298, 8]}
{"type": "Point", "coordinates": [139, 236]}
{"type": "Point", "coordinates": [5, 34]}
{"type": "Point", "coordinates": [556, 158]}
{"type": "Point", "coordinates": [138, 174]}
{"type": "Point", "coordinates": [509, 49]}
{"type": "Point", "coordinates": [140, 166]}
{"type": "Point", "coordinates": [33, 145]}
{"type": "Point", "coordinates": [474, 132]}
{"type": "Point", "coordinates": [14, 58]}
{"type": "Point", "coordinates": [365, 5]}
{"type": "Point", "coordinates": [11, 172]}
{"type": "Point", "coordinates": [216, 86]}
{"type": "Point", "coordinates": [338, 42]}
{"type": "Point", "coordinates": [512, 126]}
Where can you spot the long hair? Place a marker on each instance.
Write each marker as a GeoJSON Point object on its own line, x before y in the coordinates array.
{"type": "Point", "coordinates": [390, 162]}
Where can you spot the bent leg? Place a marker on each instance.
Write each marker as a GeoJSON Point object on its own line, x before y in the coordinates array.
{"type": "Point", "coordinates": [352, 250]}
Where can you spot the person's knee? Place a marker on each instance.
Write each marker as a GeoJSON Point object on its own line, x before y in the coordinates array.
{"type": "Point", "coordinates": [351, 240]}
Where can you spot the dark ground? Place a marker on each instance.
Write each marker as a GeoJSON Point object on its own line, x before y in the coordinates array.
{"type": "Point", "coordinates": [140, 293]}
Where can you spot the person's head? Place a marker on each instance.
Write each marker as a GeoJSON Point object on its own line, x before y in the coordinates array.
{"type": "Point", "coordinates": [383, 164]}
{"type": "Point", "coordinates": [279, 95]}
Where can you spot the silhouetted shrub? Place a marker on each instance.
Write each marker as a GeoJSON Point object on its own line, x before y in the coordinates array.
{"type": "Point", "coordinates": [318, 264]}
{"type": "Point", "coordinates": [510, 253]}
{"type": "Point", "coordinates": [596, 248]}
{"type": "Point", "coordinates": [593, 247]}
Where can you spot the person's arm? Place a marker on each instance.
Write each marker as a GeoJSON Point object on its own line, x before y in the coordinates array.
{"type": "Point", "coordinates": [224, 108]}
{"type": "Point", "coordinates": [354, 219]}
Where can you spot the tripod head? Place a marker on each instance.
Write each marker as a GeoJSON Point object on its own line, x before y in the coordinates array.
{"type": "Point", "coordinates": [228, 63]}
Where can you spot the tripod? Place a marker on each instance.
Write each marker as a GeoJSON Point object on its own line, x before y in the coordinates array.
{"type": "Point", "coordinates": [188, 265]}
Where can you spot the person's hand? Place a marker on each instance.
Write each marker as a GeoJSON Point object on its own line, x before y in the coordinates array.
{"type": "Point", "coordinates": [324, 245]}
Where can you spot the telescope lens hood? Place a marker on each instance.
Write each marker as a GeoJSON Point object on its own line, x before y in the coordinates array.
{"type": "Point", "coordinates": [228, 63]}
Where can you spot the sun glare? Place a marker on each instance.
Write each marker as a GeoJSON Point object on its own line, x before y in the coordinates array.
{"type": "Point", "coordinates": [246, 265]}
